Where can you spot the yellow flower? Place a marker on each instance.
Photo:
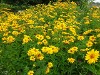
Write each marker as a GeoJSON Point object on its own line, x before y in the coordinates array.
{"type": "Point", "coordinates": [44, 49]}
{"type": "Point", "coordinates": [71, 60]}
{"type": "Point", "coordinates": [49, 51]}
{"type": "Point", "coordinates": [26, 39]}
{"type": "Point", "coordinates": [48, 37]}
{"type": "Point", "coordinates": [92, 56]}
{"type": "Point", "coordinates": [4, 38]}
{"type": "Point", "coordinates": [35, 54]}
{"type": "Point", "coordinates": [42, 19]}
{"type": "Point", "coordinates": [15, 33]}
{"type": "Point", "coordinates": [10, 39]}
{"type": "Point", "coordinates": [47, 70]}
{"type": "Point", "coordinates": [89, 44]}
{"type": "Point", "coordinates": [66, 41]}
{"type": "Point", "coordinates": [60, 26]}
{"type": "Point", "coordinates": [5, 34]}
{"type": "Point", "coordinates": [87, 22]}
{"type": "Point", "coordinates": [54, 49]}
{"type": "Point", "coordinates": [87, 32]}
{"type": "Point", "coordinates": [97, 30]}
{"type": "Point", "coordinates": [30, 22]}
{"type": "Point", "coordinates": [71, 38]}
{"type": "Point", "coordinates": [92, 38]}
{"type": "Point", "coordinates": [30, 72]}
{"type": "Point", "coordinates": [72, 50]}
{"type": "Point", "coordinates": [98, 35]}
{"type": "Point", "coordinates": [32, 58]}
{"type": "Point", "coordinates": [72, 29]}
{"type": "Point", "coordinates": [39, 37]}
{"type": "Point", "coordinates": [45, 42]}
{"type": "Point", "coordinates": [75, 48]}
{"type": "Point", "coordinates": [50, 65]}
{"type": "Point", "coordinates": [80, 37]}
{"type": "Point", "coordinates": [32, 51]}
{"type": "Point", "coordinates": [86, 49]}
{"type": "Point", "coordinates": [39, 43]}
{"type": "Point", "coordinates": [40, 56]}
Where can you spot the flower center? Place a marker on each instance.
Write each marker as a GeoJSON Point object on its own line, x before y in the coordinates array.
{"type": "Point", "coordinates": [92, 56]}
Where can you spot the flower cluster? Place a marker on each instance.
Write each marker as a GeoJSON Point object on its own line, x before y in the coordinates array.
{"type": "Point", "coordinates": [50, 65]}
{"type": "Point", "coordinates": [50, 49]}
{"type": "Point", "coordinates": [8, 39]}
{"type": "Point", "coordinates": [73, 50]}
{"type": "Point", "coordinates": [26, 39]}
{"type": "Point", "coordinates": [35, 54]}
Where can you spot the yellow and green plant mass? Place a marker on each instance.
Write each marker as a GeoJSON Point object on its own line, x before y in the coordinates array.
{"type": "Point", "coordinates": [53, 39]}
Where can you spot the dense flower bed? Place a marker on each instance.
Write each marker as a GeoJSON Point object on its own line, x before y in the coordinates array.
{"type": "Point", "coordinates": [57, 39]}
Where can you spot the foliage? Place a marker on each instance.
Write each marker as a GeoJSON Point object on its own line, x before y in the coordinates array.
{"type": "Point", "coordinates": [57, 39]}
{"type": "Point", "coordinates": [20, 2]}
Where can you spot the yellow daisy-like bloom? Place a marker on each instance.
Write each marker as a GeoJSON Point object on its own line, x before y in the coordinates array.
{"type": "Point", "coordinates": [89, 44]}
{"type": "Point", "coordinates": [39, 37]}
{"type": "Point", "coordinates": [30, 72]}
{"type": "Point", "coordinates": [54, 49]}
{"type": "Point", "coordinates": [73, 50]}
{"type": "Point", "coordinates": [50, 65]}
{"type": "Point", "coordinates": [92, 38]}
{"type": "Point", "coordinates": [32, 58]}
{"type": "Point", "coordinates": [80, 37]}
{"type": "Point", "coordinates": [60, 26]}
{"type": "Point", "coordinates": [49, 51]}
{"type": "Point", "coordinates": [39, 43]}
{"type": "Point", "coordinates": [35, 54]}
{"type": "Point", "coordinates": [92, 56]}
{"type": "Point", "coordinates": [71, 60]}
{"type": "Point", "coordinates": [15, 33]}
{"type": "Point", "coordinates": [48, 37]}
{"type": "Point", "coordinates": [44, 49]}
{"type": "Point", "coordinates": [10, 39]}
{"type": "Point", "coordinates": [45, 42]}
{"type": "Point", "coordinates": [4, 38]}
{"type": "Point", "coordinates": [66, 42]}
{"type": "Point", "coordinates": [26, 39]}
{"type": "Point", "coordinates": [40, 56]}
{"type": "Point", "coordinates": [32, 51]}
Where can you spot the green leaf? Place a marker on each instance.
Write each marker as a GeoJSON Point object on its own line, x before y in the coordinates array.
{"type": "Point", "coordinates": [91, 68]}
